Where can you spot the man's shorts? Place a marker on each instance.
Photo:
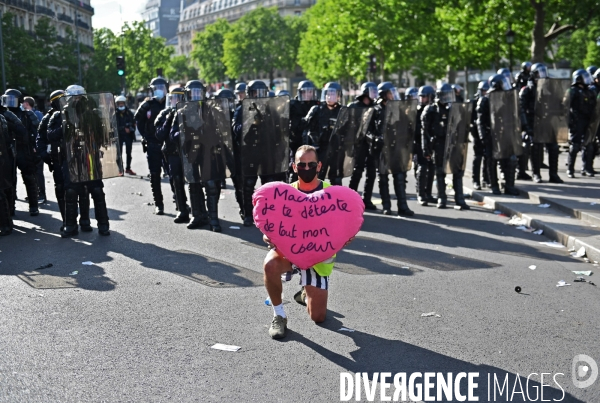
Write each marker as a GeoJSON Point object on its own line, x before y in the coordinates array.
{"type": "Point", "coordinates": [307, 277]}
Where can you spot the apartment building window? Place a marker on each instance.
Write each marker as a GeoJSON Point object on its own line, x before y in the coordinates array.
{"type": "Point", "coordinates": [297, 12]}
{"type": "Point", "coordinates": [296, 2]}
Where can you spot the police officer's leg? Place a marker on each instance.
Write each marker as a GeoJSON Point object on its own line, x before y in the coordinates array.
{"type": "Point", "coordinates": [100, 210]}
{"type": "Point", "coordinates": [71, 194]}
{"type": "Point", "coordinates": [440, 178]}
{"type": "Point", "coordinates": [523, 161]}
{"type": "Point", "coordinates": [400, 190]}
{"type": "Point", "coordinates": [84, 208]}
{"type": "Point", "coordinates": [553, 152]}
{"type": "Point", "coordinates": [485, 179]}
{"type": "Point", "coordinates": [6, 223]}
{"type": "Point", "coordinates": [587, 158]}
{"type": "Point", "coordinates": [476, 165]}
{"type": "Point", "coordinates": [421, 176]}
{"type": "Point", "coordinates": [154, 156]}
{"type": "Point", "coordinates": [324, 158]}
{"type": "Point", "coordinates": [371, 166]}
{"type": "Point", "coordinates": [183, 215]}
{"type": "Point", "coordinates": [359, 166]}
{"type": "Point", "coordinates": [198, 202]}
{"type": "Point", "coordinates": [574, 148]}
{"type": "Point", "coordinates": [249, 183]}
{"type": "Point", "coordinates": [41, 181]}
{"type": "Point", "coordinates": [27, 166]}
{"type": "Point", "coordinates": [384, 192]}
{"type": "Point", "coordinates": [537, 154]}
{"type": "Point", "coordinates": [459, 196]}
{"type": "Point", "coordinates": [491, 168]}
{"type": "Point", "coordinates": [213, 191]}
{"type": "Point", "coordinates": [59, 191]}
{"type": "Point", "coordinates": [430, 178]}
{"type": "Point", "coordinates": [128, 148]}
{"type": "Point", "coordinates": [510, 168]}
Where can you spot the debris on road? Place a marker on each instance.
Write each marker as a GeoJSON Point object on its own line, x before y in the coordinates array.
{"type": "Point", "coordinates": [545, 205]}
{"type": "Point", "coordinates": [225, 347]}
{"type": "Point", "coordinates": [525, 228]}
{"type": "Point", "coordinates": [46, 266]}
{"type": "Point", "coordinates": [73, 273]}
{"type": "Point", "coordinates": [497, 212]}
{"type": "Point", "coordinates": [579, 253]}
{"type": "Point", "coordinates": [562, 283]}
{"type": "Point", "coordinates": [430, 314]}
{"type": "Point", "coordinates": [553, 244]}
{"type": "Point", "coordinates": [582, 280]}
{"type": "Point", "coordinates": [345, 329]}
{"type": "Point", "coordinates": [518, 289]}
{"type": "Point", "coordinates": [87, 263]}
{"type": "Point", "coordinates": [517, 221]}
{"type": "Point", "coordinates": [234, 227]}
{"type": "Point", "coordinates": [583, 273]}
{"type": "Point", "coordinates": [533, 267]}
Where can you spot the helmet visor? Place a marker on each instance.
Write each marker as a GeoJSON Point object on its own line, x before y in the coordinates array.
{"type": "Point", "coordinates": [587, 78]}
{"type": "Point", "coordinates": [174, 99]}
{"type": "Point", "coordinates": [10, 101]}
{"type": "Point", "coordinates": [330, 95]}
{"type": "Point", "coordinates": [373, 93]}
{"type": "Point", "coordinates": [307, 94]}
{"type": "Point", "coordinates": [395, 94]}
{"type": "Point", "coordinates": [541, 72]}
{"type": "Point", "coordinates": [446, 97]}
{"type": "Point", "coordinates": [258, 93]}
{"type": "Point", "coordinates": [196, 94]}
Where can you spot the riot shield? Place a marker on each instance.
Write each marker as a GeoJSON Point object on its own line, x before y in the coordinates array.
{"type": "Point", "coordinates": [265, 136]}
{"type": "Point", "coordinates": [6, 162]}
{"type": "Point", "coordinates": [398, 136]}
{"type": "Point", "coordinates": [552, 103]}
{"type": "Point", "coordinates": [590, 134]}
{"type": "Point", "coordinates": [505, 124]}
{"type": "Point", "coordinates": [349, 130]}
{"type": "Point", "coordinates": [457, 137]}
{"type": "Point", "coordinates": [91, 137]}
{"type": "Point", "coordinates": [205, 140]}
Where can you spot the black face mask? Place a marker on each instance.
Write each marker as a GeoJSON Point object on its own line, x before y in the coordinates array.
{"type": "Point", "coordinates": [307, 175]}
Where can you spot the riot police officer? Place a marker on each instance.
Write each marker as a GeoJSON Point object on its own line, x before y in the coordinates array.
{"type": "Point", "coordinates": [362, 158]}
{"type": "Point", "coordinates": [145, 117]}
{"type": "Point", "coordinates": [126, 127]}
{"type": "Point", "coordinates": [505, 71]}
{"type": "Point", "coordinates": [498, 82]}
{"type": "Point", "coordinates": [591, 70]}
{"type": "Point", "coordinates": [523, 76]}
{"type": "Point", "coordinates": [527, 98]}
{"type": "Point", "coordinates": [164, 122]}
{"type": "Point", "coordinates": [306, 98]}
{"type": "Point", "coordinates": [87, 109]}
{"type": "Point", "coordinates": [319, 122]}
{"type": "Point", "coordinates": [240, 92]}
{"type": "Point", "coordinates": [434, 130]}
{"type": "Point", "coordinates": [411, 93]}
{"type": "Point", "coordinates": [458, 93]}
{"type": "Point", "coordinates": [482, 89]}
{"type": "Point", "coordinates": [589, 154]}
{"type": "Point", "coordinates": [6, 168]}
{"type": "Point", "coordinates": [424, 168]}
{"type": "Point", "coordinates": [583, 103]}
{"type": "Point", "coordinates": [26, 155]}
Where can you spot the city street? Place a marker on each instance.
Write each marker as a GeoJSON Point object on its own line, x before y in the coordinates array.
{"type": "Point", "coordinates": [138, 322]}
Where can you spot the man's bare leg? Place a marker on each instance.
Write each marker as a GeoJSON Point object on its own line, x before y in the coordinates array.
{"type": "Point", "coordinates": [316, 303]}
{"type": "Point", "coordinates": [274, 266]}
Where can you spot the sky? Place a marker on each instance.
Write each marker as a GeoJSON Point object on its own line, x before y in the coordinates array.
{"type": "Point", "coordinates": [112, 13]}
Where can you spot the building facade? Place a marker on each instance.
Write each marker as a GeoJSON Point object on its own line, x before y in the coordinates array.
{"type": "Point", "coordinates": [63, 14]}
{"type": "Point", "coordinates": [162, 17]}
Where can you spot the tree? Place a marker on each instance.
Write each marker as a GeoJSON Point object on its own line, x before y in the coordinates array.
{"type": "Point", "coordinates": [180, 69]}
{"type": "Point", "coordinates": [102, 74]}
{"type": "Point", "coordinates": [207, 51]}
{"type": "Point", "coordinates": [21, 59]}
{"type": "Point", "coordinates": [260, 42]}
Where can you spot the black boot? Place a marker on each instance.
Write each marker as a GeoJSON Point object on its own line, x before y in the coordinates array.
{"type": "Point", "coordinates": [537, 153]}
{"type": "Point", "coordinates": [492, 171]}
{"type": "Point", "coordinates": [183, 216]}
{"type": "Point", "coordinates": [523, 162]}
{"type": "Point", "coordinates": [553, 164]}
{"type": "Point", "coordinates": [100, 210]}
{"type": "Point", "coordinates": [440, 178]}
{"type": "Point", "coordinates": [368, 190]}
{"type": "Point", "coordinates": [84, 210]}
{"type": "Point", "coordinates": [384, 192]}
{"type": "Point", "coordinates": [571, 158]}
{"type": "Point", "coordinates": [70, 224]}
{"type": "Point", "coordinates": [430, 168]}
{"type": "Point", "coordinates": [213, 191]}
{"type": "Point", "coordinates": [485, 181]}
{"type": "Point", "coordinates": [509, 176]}
{"type": "Point", "coordinates": [155, 184]}
{"type": "Point", "coordinates": [421, 177]}
{"type": "Point", "coordinates": [198, 202]}
{"type": "Point", "coordinates": [6, 223]}
{"type": "Point", "coordinates": [476, 172]}
{"type": "Point", "coordinates": [249, 183]}
{"type": "Point", "coordinates": [588, 160]}
{"type": "Point", "coordinates": [459, 196]}
{"type": "Point", "coordinates": [59, 191]}
{"type": "Point", "coordinates": [400, 189]}
{"type": "Point", "coordinates": [32, 193]}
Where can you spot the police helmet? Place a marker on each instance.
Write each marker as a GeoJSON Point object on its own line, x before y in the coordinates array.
{"type": "Point", "coordinates": [257, 89]}
{"type": "Point", "coordinates": [368, 89]}
{"type": "Point", "coordinates": [506, 73]}
{"type": "Point", "coordinates": [386, 87]}
{"type": "Point", "coordinates": [283, 93]}
{"type": "Point", "coordinates": [445, 94]}
{"type": "Point", "coordinates": [54, 97]}
{"type": "Point", "coordinates": [306, 91]}
{"type": "Point", "coordinates": [75, 89]}
{"type": "Point", "coordinates": [225, 93]}
{"type": "Point", "coordinates": [175, 96]}
{"type": "Point", "coordinates": [195, 90]}
{"type": "Point", "coordinates": [332, 93]}
{"type": "Point", "coordinates": [526, 66]}
{"type": "Point", "coordinates": [591, 69]}
{"type": "Point", "coordinates": [581, 76]}
{"type": "Point", "coordinates": [427, 91]}
{"type": "Point", "coordinates": [597, 75]}
{"type": "Point", "coordinates": [271, 94]}
{"type": "Point", "coordinates": [12, 98]}
{"type": "Point", "coordinates": [499, 82]}
{"type": "Point", "coordinates": [457, 88]}
{"type": "Point", "coordinates": [411, 93]}
{"type": "Point", "coordinates": [120, 98]}
{"type": "Point", "coordinates": [159, 87]}
{"type": "Point", "coordinates": [240, 87]}
{"type": "Point", "coordinates": [483, 86]}
{"type": "Point", "coordinates": [539, 70]}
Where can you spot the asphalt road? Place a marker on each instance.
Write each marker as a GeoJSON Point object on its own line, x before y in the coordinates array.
{"type": "Point", "coordinates": [138, 324]}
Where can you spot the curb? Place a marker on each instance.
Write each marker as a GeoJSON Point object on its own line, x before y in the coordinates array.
{"type": "Point", "coordinates": [567, 240]}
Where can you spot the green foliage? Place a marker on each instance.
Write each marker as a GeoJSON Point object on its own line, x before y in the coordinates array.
{"type": "Point", "coordinates": [180, 70]}
{"type": "Point", "coordinates": [20, 57]}
{"type": "Point", "coordinates": [101, 75]}
{"type": "Point", "coordinates": [260, 42]}
{"type": "Point", "coordinates": [207, 51]}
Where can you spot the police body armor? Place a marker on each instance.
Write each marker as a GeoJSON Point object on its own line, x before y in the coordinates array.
{"type": "Point", "coordinates": [205, 140]}
{"type": "Point", "coordinates": [505, 126]}
{"type": "Point", "coordinates": [457, 137]}
{"type": "Point", "coordinates": [91, 141]}
{"type": "Point", "coordinates": [265, 138]}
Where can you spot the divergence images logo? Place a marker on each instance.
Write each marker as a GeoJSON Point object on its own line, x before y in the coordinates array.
{"type": "Point", "coordinates": [584, 371]}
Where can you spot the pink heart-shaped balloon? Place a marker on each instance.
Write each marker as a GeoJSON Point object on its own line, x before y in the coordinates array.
{"type": "Point", "coordinates": [307, 228]}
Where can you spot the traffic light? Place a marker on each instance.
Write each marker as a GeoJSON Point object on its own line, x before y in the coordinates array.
{"type": "Point", "coordinates": [372, 64]}
{"type": "Point", "coordinates": [121, 65]}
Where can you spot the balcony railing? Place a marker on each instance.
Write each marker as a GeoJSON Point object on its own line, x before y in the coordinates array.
{"type": "Point", "coordinates": [83, 24]}
{"type": "Point", "coordinates": [20, 4]}
{"type": "Point", "coordinates": [82, 5]}
{"type": "Point", "coordinates": [65, 18]}
{"type": "Point", "coordinates": [45, 10]}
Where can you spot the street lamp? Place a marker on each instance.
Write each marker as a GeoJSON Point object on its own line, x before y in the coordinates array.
{"type": "Point", "coordinates": [510, 39]}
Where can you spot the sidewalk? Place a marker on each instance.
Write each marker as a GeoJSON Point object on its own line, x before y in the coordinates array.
{"type": "Point", "coordinates": [570, 213]}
